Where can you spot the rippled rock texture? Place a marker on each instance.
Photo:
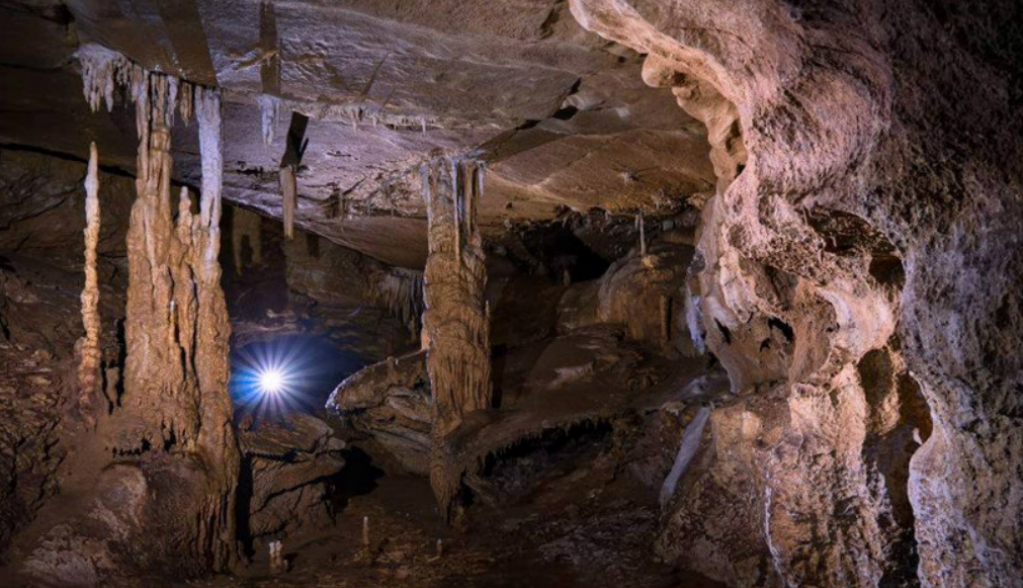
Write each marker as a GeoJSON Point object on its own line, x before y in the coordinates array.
{"type": "Point", "coordinates": [867, 210]}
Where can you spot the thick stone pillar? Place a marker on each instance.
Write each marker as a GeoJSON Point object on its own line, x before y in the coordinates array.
{"type": "Point", "coordinates": [175, 412]}
{"type": "Point", "coordinates": [456, 321]}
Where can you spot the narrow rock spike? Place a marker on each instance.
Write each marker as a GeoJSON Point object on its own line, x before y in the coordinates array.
{"type": "Point", "coordinates": [88, 371]}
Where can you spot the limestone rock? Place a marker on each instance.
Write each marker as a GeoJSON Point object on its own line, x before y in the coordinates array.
{"type": "Point", "coordinates": [391, 402]}
{"type": "Point", "coordinates": [290, 462]}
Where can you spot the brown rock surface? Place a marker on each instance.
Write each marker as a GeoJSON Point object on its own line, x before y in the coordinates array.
{"type": "Point", "coordinates": [810, 125]}
{"type": "Point", "coordinates": [289, 462]}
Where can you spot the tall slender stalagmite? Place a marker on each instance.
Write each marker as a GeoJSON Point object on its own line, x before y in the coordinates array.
{"type": "Point", "coordinates": [176, 328]}
{"type": "Point", "coordinates": [88, 370]}
{"type": "Point", "coordinates": [456, 318]}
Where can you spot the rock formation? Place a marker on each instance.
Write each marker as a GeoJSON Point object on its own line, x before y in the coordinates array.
{"type": "Point", "coordinates": [289, 463]}
{"type": "Point", "coordinates": [747, 313]}
{"type": "Point", "coordinates": [170, 432]}
{"type": "Point", "coordinates": [177, 329]}
{"type": "Point", "coordinates": [456, 318]}
{"type": "Point", "coordinates": [88, 370]}
{"type": "Point", "coordinates": [825, 186]}
{"type": "Point", "coordinates": [391, 401]}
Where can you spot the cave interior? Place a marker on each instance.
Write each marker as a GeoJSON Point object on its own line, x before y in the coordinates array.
{"type": "Point", "coordinates": [511, 293]}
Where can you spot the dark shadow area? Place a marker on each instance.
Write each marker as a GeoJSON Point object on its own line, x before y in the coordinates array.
{"type": "Point", "coordinates": [518, 470]}
{"type": "Point", "coordinates": [357, 479]}
{"type": "Point", "coordinates": [242, 506]}
{"type": "Point", "coordinates": [561, 251]}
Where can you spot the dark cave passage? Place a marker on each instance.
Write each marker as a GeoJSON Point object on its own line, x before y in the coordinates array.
{"type": "Point", "coordinates": [309, 368]}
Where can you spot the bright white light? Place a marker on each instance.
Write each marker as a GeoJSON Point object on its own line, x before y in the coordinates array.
{"type": "Point", "coordinates": [271, 381]}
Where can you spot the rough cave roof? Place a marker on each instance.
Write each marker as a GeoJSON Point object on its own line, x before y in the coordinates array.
{"type": "Point", "coordinates": [560, 115]}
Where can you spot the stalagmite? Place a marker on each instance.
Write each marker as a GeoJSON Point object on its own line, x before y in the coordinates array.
{"type": "Point", "coordinates": [88, 370]}
{"type": "Point", "coordinates": [456, 318]}
{"type": "Point", "coordinates": [642, 234]}
{"type": "Point", "coordinates": [365, 532]}
{"type": "Point", "coordinates": [278, 564]}
{"type": "Point", "coordinates": [176, 327]}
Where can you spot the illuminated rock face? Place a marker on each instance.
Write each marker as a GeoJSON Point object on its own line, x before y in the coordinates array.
{"type": "Point", "coordinates": [858, 212]}
{"type": "Point", "coordinates": [457, 318]}
{"type": "Point", "coordinates": [171, 459]}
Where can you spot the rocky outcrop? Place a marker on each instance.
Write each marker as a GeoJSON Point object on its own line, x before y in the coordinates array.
{"type": "Point", "coordinates": [289, 463]}
{"type": "Point", "coordinates": [391, 402]}
{"type": "Point", "coordinates": [852, 190]}
{"type": "Point", "coordinates": [644, 293]}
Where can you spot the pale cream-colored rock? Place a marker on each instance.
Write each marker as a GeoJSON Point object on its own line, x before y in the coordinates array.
{"type": "Point", "coordinates": [830, 149]}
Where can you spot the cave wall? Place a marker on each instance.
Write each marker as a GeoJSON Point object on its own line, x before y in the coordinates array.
{"type": "Point", "coordinates": [42, 217]}
{"type": "Point", "coordinates": [868, 199]}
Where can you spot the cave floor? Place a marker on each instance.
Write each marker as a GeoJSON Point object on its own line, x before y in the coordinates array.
{"type": "Point", "coordinates": [583, 522]}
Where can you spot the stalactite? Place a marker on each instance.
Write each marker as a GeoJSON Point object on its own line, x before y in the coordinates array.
{"type": "Point", "coordinates": [289, 193]}
{"type": "Point", "coordinates": [269, 112]}
{"type": "Point", "coordinates": [400, 291]}
{"type": "Point", "coordinates": [88, 370]}
{"type": "Point", "coordinates": [686, 452]}
{"type": "Point", "coordinates": [456, 317]}
{"type": "Point", "coordinates": [176, 326]}
{"type": "Point", "coordinates": [101, 70]}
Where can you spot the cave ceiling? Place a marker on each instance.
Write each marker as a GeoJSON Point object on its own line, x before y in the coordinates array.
{"type": "Point", "coordinates": [561, 116]}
